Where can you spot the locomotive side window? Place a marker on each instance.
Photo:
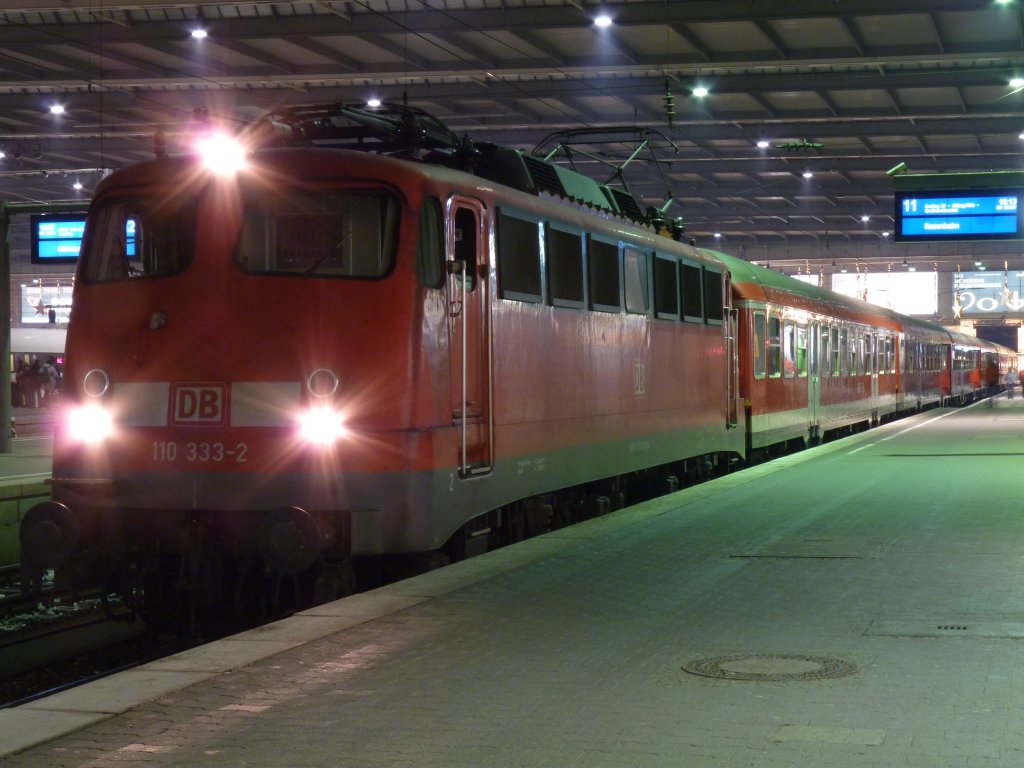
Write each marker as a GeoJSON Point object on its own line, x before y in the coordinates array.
{"type": "Point", "coordinates": [760, 345]}
{"type": "Point", "coordinates": [693, 304]}
{"type": "Point", "coordinates": [666, 288]}
{"type": "Point", "coordinates": [605, 280]}
{"type": "Point", "coordinates": [519, 275]}
{"type": "Point", "coordinates": [128, 240]}
{"type": "Point", "coordinates": [635, 267]}
{"type": "Point", "coordinates": [774, 347]}
{"type": "Point", "coordinates": [714, 302]}
{"type": "Point", "coordinates": [564, 256]}
{"type": "Point", "coordinates": [430, 247]}
{"type": "Point", "coordinates": [464, 247]}
{"type": "Point", "coordinates": [327, 234]}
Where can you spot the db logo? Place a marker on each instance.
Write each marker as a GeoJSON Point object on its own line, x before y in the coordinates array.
{"type": "Point", "coordinates": [198, 404]}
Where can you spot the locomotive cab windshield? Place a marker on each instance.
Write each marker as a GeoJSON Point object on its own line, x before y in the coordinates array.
{"type": "Point", "coordinates": [138, 237]}
{"type": "Point", "coordinates": [349, 233]}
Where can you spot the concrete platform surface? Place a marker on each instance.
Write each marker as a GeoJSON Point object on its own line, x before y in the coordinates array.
{"type": "Point", "coordinates": [857, 605]}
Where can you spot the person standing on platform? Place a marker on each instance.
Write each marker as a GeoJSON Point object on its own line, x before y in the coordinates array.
{"type": "Point", "coordinates": [991, 377]}
{"type": "Point", "coordinates": [1011, 383]}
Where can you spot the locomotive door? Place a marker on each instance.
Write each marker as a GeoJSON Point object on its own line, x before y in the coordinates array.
{"type": "Point", "coordinates": [470, 364]}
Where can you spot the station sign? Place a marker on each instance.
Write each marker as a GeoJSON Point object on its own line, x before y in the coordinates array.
{"type": "Point", "coordinates": [56, 239]}
{"type": "Point", "coordinates": [986, 293]}
{"type": "Point", "coordinates": [988, 215]}
{"type": "Point", "coordinates": [959, 206]}
{"type": "Point", "coordinates": [45, 305]}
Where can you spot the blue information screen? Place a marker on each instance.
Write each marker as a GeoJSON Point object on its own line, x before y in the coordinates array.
{"type": "Point", "coordinates": [57, 238]}
{"type": "Point", "coordinates": [988, 215]}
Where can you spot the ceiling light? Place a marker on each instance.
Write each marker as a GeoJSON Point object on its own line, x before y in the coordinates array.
{"type": "Point", "coordinates": [602, 21]}
{"type": "Point", "coordinates": [2, 154]}
{"type": "Point", "coordinates": [199, 34]}
{"type": "Point", "coordinates": [77, 185]}
{"type": "Point", "coordinates": [808, 175]}
{"type": "Point", "coordinates": [885, 234]}
{"type": "Point", "coordinates": [763, 144]}
{"type": "Point", "coordinates": [718, 235]}
{"type": "Point", "coordinates": [373, 102]}
{"type": "Point", "coordinates": [1017, 82]}
{"type": "Point", "coordinates": [56, 109]}
{"type": "Point", "coordinates": [700, 92]}
{"type": "Point", "coordinates": [865, 218]}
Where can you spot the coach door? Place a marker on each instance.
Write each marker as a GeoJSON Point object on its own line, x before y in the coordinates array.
{"type": "Point", "coordinates": [468, 288]}
{"type": "Point", "coordinates": [813, 376]}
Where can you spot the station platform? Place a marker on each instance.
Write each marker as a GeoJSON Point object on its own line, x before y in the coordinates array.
{"type": "Point", "coordinates": [23, 475]}
{"type": "Point", "coordinates": [859, 604]}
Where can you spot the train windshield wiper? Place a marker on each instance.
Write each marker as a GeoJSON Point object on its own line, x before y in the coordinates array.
{"type": "Point", "coordinates": [329, 255]}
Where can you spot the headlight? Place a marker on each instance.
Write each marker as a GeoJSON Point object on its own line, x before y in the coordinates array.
{"type": "Point", "coordinates": [322, 426]}
{"type": "Point", "coordinates": [222, 154]}
{"type": "Point", "coordinates": [89, 424]}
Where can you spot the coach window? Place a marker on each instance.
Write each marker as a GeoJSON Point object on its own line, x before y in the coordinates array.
{"type": "Point", "coordinates": [519, 275]}
{"type": "Point", "coordinates": [890, 355]}
{"type": "Point", "coordinates": [774, 347]}
{"type": "Point", "coordinates": [850, 345]}
{"type": "Point", "coordinates": [605, 277]}
{"type": "Point", "coordinates": [564, 256]}
{"type": "Point", "coordinates": [666, 288]}
{"type": "Point", "coordinates": [634, 264]}
{"type": "Point", "coordinates": [760, 344]}
{"type": "Point", "coordinates": [714, 303]}
{"type": "Point", "coordinates": [826, 350]}
{"type": "Point", "coordinates": [813, 348]}
{"type": "Point", "coordinates": [690, 289]}
{"type": "Point", "coordinates": [789, 348]}
{"type": "Point", "coordinates": [825, 357]}
{"type": "Point", "coordinates": [836, 352]}
{"type": "Point", "coordinates": [801, 350]}
{"type": "Point", "coordinates": [324, 234]}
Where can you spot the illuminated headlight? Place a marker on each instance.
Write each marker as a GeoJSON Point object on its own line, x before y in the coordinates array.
{"type": "Point", "coordinates": [90, 424]}
{"type": "Point", "coordinates": [222, 154]}
{"type": "Point", "coordinates": [322, 426]}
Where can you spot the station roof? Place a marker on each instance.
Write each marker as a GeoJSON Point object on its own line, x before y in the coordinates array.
{"type": "Point", "coordinates": [843, 91]}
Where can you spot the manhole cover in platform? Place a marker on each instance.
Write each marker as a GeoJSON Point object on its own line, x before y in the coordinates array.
{"type": "Point", "coordinates": [770, 667]}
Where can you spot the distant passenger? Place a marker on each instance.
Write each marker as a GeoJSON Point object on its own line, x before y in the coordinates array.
{"type": "Point", "coordinates": [992, 377]}
{"type": "Point", "coordinates": [1011, 383]}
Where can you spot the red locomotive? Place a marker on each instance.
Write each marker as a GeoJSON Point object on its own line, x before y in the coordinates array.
{"type": "Point", "coordinates": [374, 338]}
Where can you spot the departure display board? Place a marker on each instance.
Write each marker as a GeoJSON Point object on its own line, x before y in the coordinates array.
{"type": "Point", "coordinates": [56, 239]}
{"type": "Point", "coordinates": [959, 215]}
